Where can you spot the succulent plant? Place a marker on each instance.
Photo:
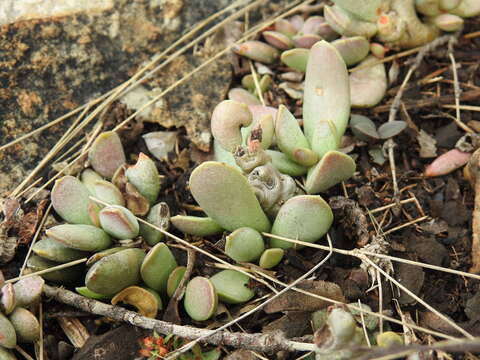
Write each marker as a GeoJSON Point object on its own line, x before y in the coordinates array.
{"type": "Point", "coordinates": [17, 323]}
{"type": "Point", "coordinates": [395, 22]}
{"type": "Point", "coordinates": [252, 189]}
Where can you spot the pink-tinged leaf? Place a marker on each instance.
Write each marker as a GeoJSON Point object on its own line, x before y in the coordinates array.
{"type": "Point", "coordinates": [106, 154]}
{"type": "Point", "coordinates": [277, 39]}
{"type": "Point", "coordinates": [446, 163]}
{"type": "Point", "coordinates": [257, 51]}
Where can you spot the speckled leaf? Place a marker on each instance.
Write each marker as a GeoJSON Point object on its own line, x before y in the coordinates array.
{"type": "Point", "coordinates": [244, 244]}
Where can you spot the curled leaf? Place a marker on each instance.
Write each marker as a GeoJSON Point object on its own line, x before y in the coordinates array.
{"type": "Point", "coordinates": [143, 300]}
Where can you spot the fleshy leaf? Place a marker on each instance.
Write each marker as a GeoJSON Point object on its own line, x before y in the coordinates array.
{"type": "Point", "coordinates": [195, 225]}
{"type": "Point", "coordinates": [295, 59]}
{"type": "Point", "coordinates": [8, 300]}
{"type": "Point", "coordinates": [286, 166]}
{"type": "Point", "coordinates": [227, 119]}
{"type": "Point", "coordinates": [290, 138]}
{"type": "Point", "coordinates": [243, 96]}
{"type": "Point", "coordinates": [363, 9]}
{"type": "Point", "coordinates": [28, 291]}
{"type": "Point", "coordinates": [225, 196]}
{"type": "Point", "coordinates": [271, 258]}
{"type": "Point", "coordinates": [304, 217]}
{"type": "Point", "coordinates": [108, 193]}
{"type": "Point", "coordinates": [119, 222]}
{"type": "Point", "coordinates": [467, 8]}
{"type": "Point", "coordinates": [200, 300]}
{"type": "Point", "coordinates": [257, 51]}
{"type": "Point", "coordinates": [8, 337]}
{"type": "Point", "coordinates": [144, 176]}
{"type": "Point", "coordinates": [157, 266]}
{"type": "Point", "coordinates": [306, 41]}
{"type": "Point", "coordinates": [89, 178]}
{"type": "Point", "coordinates": [244, 244]}
{"type": "Point", "coordinates": [352, 49]}
{"type": "Point", "coordinates": [326, 88]}
{"type": "Point", "coordinates": [232, 286]}
{"type": "Point", "coordinates": [115, 272]}
{"type": "Point", "coordinates": [174, 279]}
{"type": "Point", "coordinates": [347, 24]}
{"type": "Point", "coordinates": [106, 154]}
{"type": "Point", "coordinates": [80, 237]}
{"type": "Point", "coordinates": [332, 169]}
{"type": "Point", "coordinates": [391, 129]}
{"type": "Point", "coordinates": [448, 22]}
{"type": "Point", "coordinates": [71, 200]}
{"type": "Point", "coordinates": [56, 251]}
{"type": "Point", "coordinates": [26, 325]}
{"type": "Point", "coordinates": [277, 39]}
{"type": "Point", "coordinates": [84, 291]}
{"type": "Point", "coordinates": [285, 27]}
{"type": "Point", "coordinates": [368, 85]}
{"type": "Point", "coordinates": [447, 162]}
{"type": "Point", "coordinates": [143, 300]}
{"type": "Point", "coordinates": [64, 276]}
{"type": "Point", "coordinates": [159, 216]}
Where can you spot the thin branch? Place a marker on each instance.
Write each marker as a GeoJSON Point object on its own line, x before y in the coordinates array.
{"type": "Point", "coordinates": [257, 342]}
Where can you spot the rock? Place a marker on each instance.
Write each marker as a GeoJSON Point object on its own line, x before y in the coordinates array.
{"type": "Point", "coordinates": [52, 65]}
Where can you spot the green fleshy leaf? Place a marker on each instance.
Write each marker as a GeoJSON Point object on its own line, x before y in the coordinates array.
{"type": "Point", "coordinates": [271, 258]}
{"type": "Point", "coordinates": [244, 244]}
{"type": "Point", "coordinates": [174, 279]}
{"type": "Point", "coordinates": [296, 59]}
{"type": "Point", "coordinates": [157, 266]}
{"type": "Point", "coordinates": [198, 226]}
{"type": "Point", "coordinates": [286, 166]}
{"type": "Point", "coordinates": [159, 216]}
{"type": "Point", "coordinates": [304, 217]}
{"type": "Point", "coordinates": [115, 272]}
{"type": "Point", "coordinates": [290, 138]}
{"type": "Point", "coordinates": [232, 286]}
{"type": "Point", "coordinates": [278, 40]}
{"type": "Point", "coordinates": [353, 49]}
{"type": "Point", "coordinates": [332, 169]}
{"type": "Point", "coordinates": [71, 200]}
{"type": "Point", "coordinates": [119, 222]}
{"type": "Point", "coordinates": [56, 251]}
{"type": "Point", "coordinates": [144, 176]}
{"type": "Point", "coordinates": [80, 237]}
{"type": "Point", "coordinates": [65, 276]}
{"type": "Point", "coordinates": [226, 197]}
{"type": "Point", "coordinates": [326, 88]}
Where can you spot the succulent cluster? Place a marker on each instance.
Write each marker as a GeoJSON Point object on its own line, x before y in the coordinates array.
{"type": "Point", "coordinates": [395, 22]}
{"type": "Point", "coordinates": [17, 321]}
{"type": "Point", "coordinates": [101, 209]}
{"type": "Point", "coordinates": [368, 29]}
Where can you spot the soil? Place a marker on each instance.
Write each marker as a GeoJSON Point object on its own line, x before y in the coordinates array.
{"type": "Point", "coordinates": [51, 66]}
